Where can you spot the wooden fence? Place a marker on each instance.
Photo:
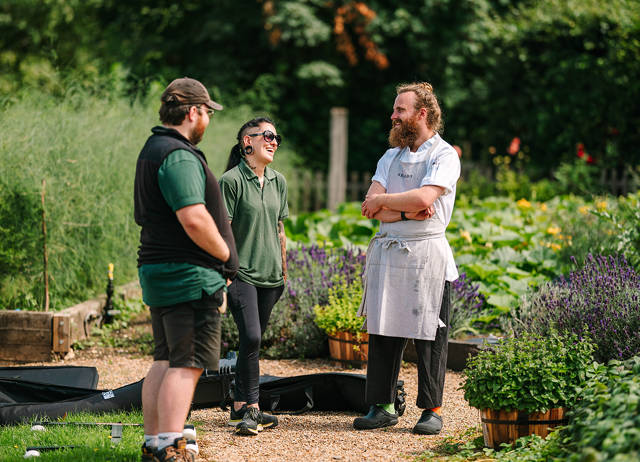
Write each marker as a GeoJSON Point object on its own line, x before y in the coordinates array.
{"type": "Point", "coordinates": [309, 191]}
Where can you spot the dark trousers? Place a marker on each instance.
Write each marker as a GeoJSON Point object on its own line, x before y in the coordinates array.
{"type": "Point", "coordinates": [385, 358]}
{"type": "Point", "coordinates": [251, 308]}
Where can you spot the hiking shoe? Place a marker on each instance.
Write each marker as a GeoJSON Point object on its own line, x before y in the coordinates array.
{"type": "Point", "coordinates": [376, 418]}
{"type": "Point", "coordinates": [268, 420]}
{"type": "Point", "coordinates": [430, 423]}
{"type": "Point", "coordinates": [235, 417]}
{"type": "Point", "coordinates": [147, 452]}
{"type": "Point", "coordinates": [254, 421]}
{"type": "Point", "coordinates": [176, 452]}
{"type": "Point", "coordinates": [251, 422]}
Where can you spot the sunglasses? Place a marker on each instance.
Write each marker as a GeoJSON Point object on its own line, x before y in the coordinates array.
{"type": "Point", "coordinates": [268, 136]}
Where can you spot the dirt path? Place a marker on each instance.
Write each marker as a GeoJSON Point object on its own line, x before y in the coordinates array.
{"type": "Point", "coordinates": [317, 436]}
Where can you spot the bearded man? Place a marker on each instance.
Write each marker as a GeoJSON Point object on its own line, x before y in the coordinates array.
{"type": "Point", "coordinates": [410, 265]}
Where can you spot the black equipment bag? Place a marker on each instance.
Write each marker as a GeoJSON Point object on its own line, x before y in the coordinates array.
{"type": "Point", "coordinates": [22, 400]}
{"type": "Point", "coordinates": [331, 391]}
{"type": "Point", "coordinates": [69, 376]}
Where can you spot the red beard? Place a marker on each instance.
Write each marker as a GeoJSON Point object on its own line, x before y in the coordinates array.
{"type": "Point", "coordinates": [403, 133]}
{"type": "Point", "coordinates": [198, 132]}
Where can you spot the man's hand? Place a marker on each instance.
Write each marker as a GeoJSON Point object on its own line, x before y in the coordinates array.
{"type": "Point", "coordinates": [372, 205]}
{"type": "Point", "coordinates": [421, 214]}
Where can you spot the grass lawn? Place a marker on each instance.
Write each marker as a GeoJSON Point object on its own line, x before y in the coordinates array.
{"type": "Point", "coordinates": [91, 443]}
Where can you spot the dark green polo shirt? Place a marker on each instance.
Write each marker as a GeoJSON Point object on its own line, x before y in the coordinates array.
{"type": "Point", "coordinates": [254, 213]}
{"type": "Point", "coordinates": [182, 181]}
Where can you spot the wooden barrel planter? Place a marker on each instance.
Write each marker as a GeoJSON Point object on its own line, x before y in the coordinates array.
{"type": "Point", "coordinates": [349, 348]}
{"type": "Point", "coordinates": [507, 426]}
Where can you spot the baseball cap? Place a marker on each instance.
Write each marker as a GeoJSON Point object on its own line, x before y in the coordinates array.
{"type": "Point", "coordinates": [188, 91]}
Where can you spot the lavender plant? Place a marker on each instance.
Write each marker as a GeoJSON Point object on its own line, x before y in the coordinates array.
{"type": "Point", "coordinates": [600, 300]}
{"type": "Point", "coordinates": [292, 332]}
{"type": "Point", "coordinates": [467, 306]}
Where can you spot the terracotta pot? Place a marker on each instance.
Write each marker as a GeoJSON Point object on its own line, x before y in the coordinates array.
{"type": "Point", "coordinates": [345, 347]}
{"type": "Point", "coordinates": [507, 426]}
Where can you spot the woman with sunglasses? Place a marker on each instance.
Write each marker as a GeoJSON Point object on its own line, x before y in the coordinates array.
{"type": "Point", "coordinates": [256, 199]}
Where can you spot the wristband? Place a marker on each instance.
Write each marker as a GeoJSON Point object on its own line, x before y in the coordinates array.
{"type": "Point", "coordinates": [403, 217]}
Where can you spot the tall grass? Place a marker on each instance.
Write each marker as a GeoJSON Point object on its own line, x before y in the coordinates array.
{"type": "Point", "coordinates": [84, 143]}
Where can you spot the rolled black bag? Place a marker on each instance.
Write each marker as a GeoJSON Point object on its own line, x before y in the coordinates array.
{"type": "Point", "coordinates": [331, 391]}
{"type": "Point", "coordinates": [22, 400]}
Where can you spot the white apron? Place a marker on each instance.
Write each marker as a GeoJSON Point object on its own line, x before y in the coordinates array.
{"type": "Point", "coordinates": [405, 268]}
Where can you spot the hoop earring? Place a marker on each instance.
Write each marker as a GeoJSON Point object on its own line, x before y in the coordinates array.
{"type": "Point", "coordinates": [248, 149]}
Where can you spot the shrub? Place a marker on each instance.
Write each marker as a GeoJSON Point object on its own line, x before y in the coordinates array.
{"type": "Point", "coordinates": [530, 373]}
{"type": "Point", "coordinates": [603, 425]}
{"type": "Point", "coordinates": [292, 332]}
{"type": "Point", "coordinates": [606, 423]}
{"type": "Point", "coordinates": [599, 300]}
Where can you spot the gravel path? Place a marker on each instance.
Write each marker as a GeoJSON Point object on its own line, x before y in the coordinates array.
{"type": "Point", "coordinates": [317, 436]}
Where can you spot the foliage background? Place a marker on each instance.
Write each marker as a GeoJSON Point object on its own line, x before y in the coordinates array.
{"type": "Point", "coordinates": [552, 72]}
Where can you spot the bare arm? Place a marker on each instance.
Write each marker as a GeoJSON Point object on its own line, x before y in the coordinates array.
{"type": "Point", "coordinates": [391, 214]}
{"type": "Point", "coordinates": [283, 248]}
{"type": "Point", "coordinates": [413, 200]}
{"type": "Point", "coordinates": [200, 227]}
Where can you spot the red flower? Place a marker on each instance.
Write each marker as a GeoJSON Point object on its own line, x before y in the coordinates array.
{"type": "Point", "coordinates": [514, 147]}
{"type": "Point", "coordinates": [580, 150]}
{"type": "Point", "coordinates": [590, 160]}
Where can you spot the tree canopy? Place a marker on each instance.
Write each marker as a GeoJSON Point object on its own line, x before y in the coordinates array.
{"type": "Point", "coordinates": [553, 73]}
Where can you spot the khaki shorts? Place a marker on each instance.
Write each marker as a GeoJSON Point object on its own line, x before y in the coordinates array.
{"type": "Point", "coordinates": [188, 334]}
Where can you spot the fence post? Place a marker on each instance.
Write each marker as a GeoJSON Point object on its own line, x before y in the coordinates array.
{"type": "Point", "coordinates": [338, 157]}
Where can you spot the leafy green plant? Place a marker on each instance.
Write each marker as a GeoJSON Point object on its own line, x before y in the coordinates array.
{"type": "Point", "coordinates": [625, 221]}
{"type": "Point", "coordinates": [340, 313]}
{"type": "Point", "coordinates": [530, 373]}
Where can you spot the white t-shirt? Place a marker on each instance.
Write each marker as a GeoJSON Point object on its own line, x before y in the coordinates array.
{"type": "Point", "coordinates": [443, 170]}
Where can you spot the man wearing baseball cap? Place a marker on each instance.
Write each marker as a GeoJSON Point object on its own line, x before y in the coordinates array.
{"type": "Point", "coordinates": [187, 255]}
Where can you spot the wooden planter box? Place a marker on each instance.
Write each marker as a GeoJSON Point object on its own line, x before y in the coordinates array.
{"type": "Point", "coordinates": [346, 348]}
{"type": "Point", "coordinates": [28, 336]}
{"type": "Point", "coordinates": [507, 426]}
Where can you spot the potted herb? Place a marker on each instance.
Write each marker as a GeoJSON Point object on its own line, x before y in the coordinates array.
{"type": "Point", "coordinates": [338, 319]}
{"type": "Point", "coordinates": [524, 385]}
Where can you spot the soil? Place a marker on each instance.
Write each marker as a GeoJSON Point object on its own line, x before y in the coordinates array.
{"type": "Point", "coordinates": [318, 436]}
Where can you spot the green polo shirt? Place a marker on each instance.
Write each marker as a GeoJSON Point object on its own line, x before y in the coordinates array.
{"type": "Point", "coordinates": [254, 213]}
{"type": "Point", "coordinates": [182, 181]}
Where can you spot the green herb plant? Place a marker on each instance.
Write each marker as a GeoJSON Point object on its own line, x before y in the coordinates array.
{"type": "Point", "coordinates": [340, 313]}
{"type": "Point", "coordinates": [528, 373]}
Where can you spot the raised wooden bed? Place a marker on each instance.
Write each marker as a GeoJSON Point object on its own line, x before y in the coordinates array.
{"type": "Point", "coordinates": [28, 336]}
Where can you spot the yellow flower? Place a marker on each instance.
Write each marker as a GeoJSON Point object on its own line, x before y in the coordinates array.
{"type": "Point", "coordinates": [555, 246]}
{"type": "Point", "coordinates": [553, 230]}
{"type": "Point", "coordinates": [466, 235]}
{"type": "Point", "coordinates": [524, 204]}
{"type": "Point", "coordinates": [543, 207]}
{"type": "Point", "coordinates": [601, 206]}
{"type": "Point", "coordinates": [584, 210]}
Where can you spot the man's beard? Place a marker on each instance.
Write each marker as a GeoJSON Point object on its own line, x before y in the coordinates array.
{"type": "Point", "coordinates": [403, 133]}
{"type": "Point", "coordinates": [198, 132]}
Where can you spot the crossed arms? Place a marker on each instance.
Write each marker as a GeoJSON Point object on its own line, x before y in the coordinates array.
{"type": "Point", "coordinates": [416, 203]}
